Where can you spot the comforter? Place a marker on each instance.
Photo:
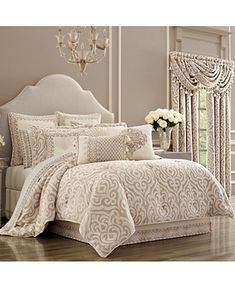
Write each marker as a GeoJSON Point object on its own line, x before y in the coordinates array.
{"type": "Point", "coordinates": [109, 199]}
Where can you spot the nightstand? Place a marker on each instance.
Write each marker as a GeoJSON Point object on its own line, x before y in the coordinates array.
{"type": "Point", "coordinates": [3, 166]}
{"type": "Point", "coordinates": [174, 155]}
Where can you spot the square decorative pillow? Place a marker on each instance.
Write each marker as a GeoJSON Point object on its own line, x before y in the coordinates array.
{"type": "Point", "coordinates": [64, 119]}
{"type": "Point", "coordinates": [78, 124]}
{"type": "Point", "coordinates": [46, 143]}
{"type": "Point", "coordinates": [140, 146]}
{"type": "Point", "coordinates": [19, 122]}
{"type": "Point", "coordinates": [103, 148]}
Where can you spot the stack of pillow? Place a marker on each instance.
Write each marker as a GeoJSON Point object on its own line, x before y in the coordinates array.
{"type": "Point", "coordinates": [36, 138]}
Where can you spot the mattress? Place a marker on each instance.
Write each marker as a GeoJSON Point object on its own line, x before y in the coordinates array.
{"type": "Point", "coordinates": [15, 177]}
{"type": "Point", "coordinates": [14, 181]}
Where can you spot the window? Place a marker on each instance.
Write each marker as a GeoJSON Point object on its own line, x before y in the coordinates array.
{"type": "Point", "coordinates": [202, 133]}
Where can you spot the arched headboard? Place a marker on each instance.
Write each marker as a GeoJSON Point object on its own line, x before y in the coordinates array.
{"type": "Point", "coordinates": [52, 93]}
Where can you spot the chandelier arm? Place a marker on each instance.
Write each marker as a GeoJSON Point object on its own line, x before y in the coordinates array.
{"type": "Point", "coordinates": [96, 60]}
{"type": "Point", "coordinates": [100, 47]}
{"type": "Point", "coordinates": [73, 62]}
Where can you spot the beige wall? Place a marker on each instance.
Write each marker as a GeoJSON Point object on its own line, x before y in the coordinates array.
{"type": "Point", "coordinates": [143, 72]}
{"type": "Point", "coordinates": [28, 53]}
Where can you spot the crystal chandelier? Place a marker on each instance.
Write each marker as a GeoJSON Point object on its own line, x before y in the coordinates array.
{"type": "Point", "coordinates": [77, 53]}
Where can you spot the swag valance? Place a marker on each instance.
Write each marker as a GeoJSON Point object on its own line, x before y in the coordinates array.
{"type": "Point", "coordinates": [190, 74]}
{"type": "Point", "coordinates": [195, 71]}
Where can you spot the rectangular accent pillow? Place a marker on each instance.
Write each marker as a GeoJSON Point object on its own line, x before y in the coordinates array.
{"type": "Point", "coordinates": [64, 119]}
{"type": "Point", "coordinates": [46, 143]}
{"type": "Point", "coordinates": [140, 144]}
{"type": "Point", "coordinates": [103, 148]}
{"type": "Point", "coordinates": [19, 122]}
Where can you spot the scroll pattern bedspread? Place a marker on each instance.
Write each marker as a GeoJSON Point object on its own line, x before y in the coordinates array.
{"type": "Point", "coordinates": [108, 199]}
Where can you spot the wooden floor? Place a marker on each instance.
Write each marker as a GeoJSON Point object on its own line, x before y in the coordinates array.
{"type": "Point", "coordinates": [217, 246]}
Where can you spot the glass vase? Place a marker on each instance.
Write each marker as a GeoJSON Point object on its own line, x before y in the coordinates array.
{"type": "Point", "coordinates": [165, 137]}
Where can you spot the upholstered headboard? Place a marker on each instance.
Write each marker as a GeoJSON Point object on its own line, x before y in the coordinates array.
{"type": "Point", "coordinates": [52, 93]}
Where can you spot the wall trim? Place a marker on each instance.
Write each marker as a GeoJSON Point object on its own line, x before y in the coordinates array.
{"type": "Point", "coordinates": [110, 69]}
{"type": "Point", "coordinates": [229, 43]}
{"type": "Point", "coordinates": [167, 66]}
{"type": "Point", "coordinates": [119, 73]}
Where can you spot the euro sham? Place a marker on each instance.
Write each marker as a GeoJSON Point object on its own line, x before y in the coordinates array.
{"type": "Point", "coordinates": [78, 124]}
{"type": "Point", "coordinates": [19, 122]}
{"type": "Point", "coordinates": [64, 119]}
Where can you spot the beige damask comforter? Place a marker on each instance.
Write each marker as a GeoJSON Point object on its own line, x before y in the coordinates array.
{"type": "Point", "coordinates": [109, 199]}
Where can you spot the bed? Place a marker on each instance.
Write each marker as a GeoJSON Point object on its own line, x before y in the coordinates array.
{"type": "Point", "coordinates": [108, 186]}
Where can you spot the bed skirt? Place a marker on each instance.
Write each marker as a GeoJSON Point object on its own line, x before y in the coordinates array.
{"type": "Point", "coordinates": [143, 233]}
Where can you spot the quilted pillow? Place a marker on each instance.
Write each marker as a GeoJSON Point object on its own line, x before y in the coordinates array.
{"type": "Point", "coordinates": [103, 148]}
{"type": "Point", "coordinates": [64, 119]}
{"type": "Point", "coordinates": [19, 122]}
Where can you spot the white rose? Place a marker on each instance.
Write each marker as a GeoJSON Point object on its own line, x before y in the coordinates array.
{"type": "Point", "coordinates": [155, 115]}
{"type": "Point", "coordinates": [176, 121]}
{"type": "Point", "coordinates": [149, 119]}
{"type": "Point", "coordinates": [162, 123]}
{"type": "Point", "coordinates": [171, 119]}
{"type": "Point", "coordinates": [167, 114]}
{"type": "Point", "coordinates": [160, 112]}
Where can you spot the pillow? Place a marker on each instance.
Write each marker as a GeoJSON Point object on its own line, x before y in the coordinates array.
{"type": "Point", "coordinates": [103, 148]}
{"type": "Point", "coordinates": [46, 143]}
{"type": "Point", "coordinates": [140, 144]}
{"type": "Point", "coordinates": [26, 148]}
{"type": "Point", "coordinates": [78, 124]}
{"type": "Point", "coordinates": [23, 122]}
{"type": "Point", "coordinates": [65, 119]}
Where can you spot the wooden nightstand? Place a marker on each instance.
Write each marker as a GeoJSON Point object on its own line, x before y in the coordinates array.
{"type": "Point", "coordinates": [174, 155]}
{"type": "Point", "coordinates": [3, 166]}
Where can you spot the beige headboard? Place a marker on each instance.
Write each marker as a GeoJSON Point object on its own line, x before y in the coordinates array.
{"type": "Point", "coordinates": [52, 93]}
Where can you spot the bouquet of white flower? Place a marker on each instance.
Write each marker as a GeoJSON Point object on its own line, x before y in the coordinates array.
{"type": "Point", "coordinates": [163, 118]}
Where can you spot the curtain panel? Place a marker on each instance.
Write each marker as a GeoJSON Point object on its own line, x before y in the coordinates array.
{"type": "Point", "coordinates": [190, 74]}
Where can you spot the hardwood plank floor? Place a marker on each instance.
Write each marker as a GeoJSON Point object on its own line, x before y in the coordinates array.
{"type": "Point", "coordinates": [217, 246]}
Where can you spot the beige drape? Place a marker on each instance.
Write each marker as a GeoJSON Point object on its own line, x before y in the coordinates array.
{"type": "Point", "coordinates": [190, 73]}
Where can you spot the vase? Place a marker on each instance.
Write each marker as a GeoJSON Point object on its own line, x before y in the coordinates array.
{"type": "Point", "coordinates": [165, 137]}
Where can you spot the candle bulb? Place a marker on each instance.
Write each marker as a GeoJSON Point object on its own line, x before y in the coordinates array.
{"type": "Point", "coordinates": [73, 35]}
{"type": "Point", "coordinates": [82, 51]}
{"type": "Point", "coordinates": [94, 34]}
{"type": "Point", "coordinates": [60, 36]}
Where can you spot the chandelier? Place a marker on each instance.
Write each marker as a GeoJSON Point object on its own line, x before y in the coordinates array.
{"type": "Point", "coordinates": [77, 53]}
